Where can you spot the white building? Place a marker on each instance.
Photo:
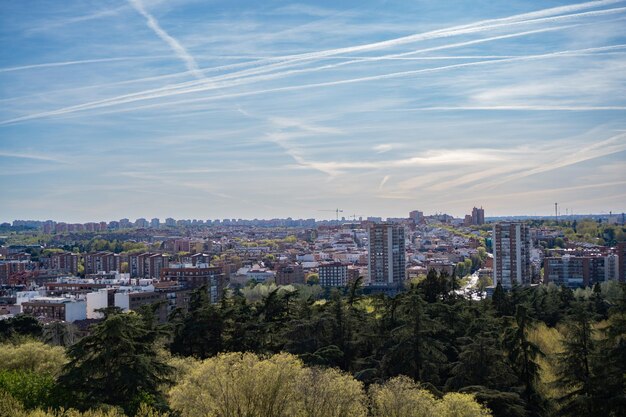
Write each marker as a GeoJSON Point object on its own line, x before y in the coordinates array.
{"type": "Point", "coordinates": [97, 300]}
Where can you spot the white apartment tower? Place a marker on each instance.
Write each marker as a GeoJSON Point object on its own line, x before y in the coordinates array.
{"type": "Point", "coordinates": [387, 256]}
{"type": "Point", "coordinates": [511, 254]}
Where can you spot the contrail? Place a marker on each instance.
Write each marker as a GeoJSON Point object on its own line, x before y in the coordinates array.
{"type": "Point", "coordinates": [292, 60]}
{"type": "Point", "coordinates": [593, 151]}
{"type": "Point", "coordinates": [481, 26]}
{"type": "Point", "coordinates": [81, 62]}
{"type": "Point", "coordinates": [96, 105]}
{"type": "Point", "coordinates": [178, 49]}
{"type": "Point", "coordinates": [177, 89]}
{"type": "Point", "coordinates": [198, 86]}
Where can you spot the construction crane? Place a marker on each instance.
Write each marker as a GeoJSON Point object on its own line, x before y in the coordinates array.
{"type": "Point", "coordinates": [354, 216]}
{"type": "Point", "coordinates": [336, 211]}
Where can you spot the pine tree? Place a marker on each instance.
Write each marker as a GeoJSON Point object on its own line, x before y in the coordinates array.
{"type": "Point", "coordinates": [611, 369]}
{"type": "Point", "coordinates": [415, 351]}
{"type": "Point", "coordinates": [523, 356]}
{"type": "Point", "coordinates": [117, 364]}
{"type": "Point", "coordinates": [481, 361]}
{"type": "Point", "coordinates": [575, 365]}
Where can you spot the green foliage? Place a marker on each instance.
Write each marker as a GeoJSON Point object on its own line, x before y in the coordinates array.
{"type": "Point", "coordinates": [117, 364]}
{"type": "Point", "coordinates": [540, 351]}
{"type": "Point", "coordinates": [20, 325]}
{"type": "Point", "coordinates": [401, 397]}
{"type": "Point", "coordinates": [31, 389]}
{"type": "Point", "coordinates": [575, 366]}
{"type": "Point", "coordinates": [60, 334]}
{"type": "Point", "coordinates": [523, 355]}
{"type": "Point", "coordinates": [32, 356]}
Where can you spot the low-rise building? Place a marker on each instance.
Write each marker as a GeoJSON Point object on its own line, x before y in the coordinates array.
{"type": "Point", "coordinates": [289, 274]}
{"type": "Point", "coordinates": [56, 308]}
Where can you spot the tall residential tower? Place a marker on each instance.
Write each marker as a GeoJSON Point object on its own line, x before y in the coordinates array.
{"type": "Point", "coordinates": [387, 256]}
{"type": "Point", "coordinates": [511, 254]}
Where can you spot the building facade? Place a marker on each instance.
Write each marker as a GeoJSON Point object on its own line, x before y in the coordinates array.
{"type": "Point", "coordinates": [333, 274]}
{"type": "Point", "coordinates": [387, 254]}
{"type": "Point", "coordinates": [511, 254]}
{"type": "Point", "coordinates": [478, 216]}
{"type": "Point", "coordinates": [289, 274]}
{"type": "Point", "coordinates": [102, 261]}
{"type": "Point", "coordinates": [579, 271]}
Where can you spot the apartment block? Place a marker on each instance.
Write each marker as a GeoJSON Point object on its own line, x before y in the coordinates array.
{"type": "Point", "coordinates": [65, 262]}
{"type": "Point", "coordinates": [478, 216]}
{"type": "Point", "coordinates": [333, 274]}
{"type": "Point", "coordinates": [511, 254]}
{"type": "Point", "coordinates": [387, 254]}
{"type": "Point", "coordinates": [55, 308]}
{"type": "Point", "coordinates": [578, 271]}
{"type": "Point", "coordinates": [289, 274]}
{"type": "Point", "coordinates": [102, 261]}
{"type": "Point", "coordinates": [191, 277]}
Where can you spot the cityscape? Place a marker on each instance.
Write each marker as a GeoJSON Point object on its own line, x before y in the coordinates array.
{"type": "Point", "coordinates": [312, 209]}
{"type": "Point", "coordinates": [97, 265]}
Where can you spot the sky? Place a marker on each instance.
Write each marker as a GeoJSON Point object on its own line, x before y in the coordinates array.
{"type": "Point", "coordinates": [263, 109]}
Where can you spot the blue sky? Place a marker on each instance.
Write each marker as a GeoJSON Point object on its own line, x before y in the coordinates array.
{"type": "Point", "coordinates": [206, 109]}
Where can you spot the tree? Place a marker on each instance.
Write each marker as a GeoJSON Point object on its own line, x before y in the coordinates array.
{"type": "Point", "coordinates": [433, 287]}
{"type": "Point", "coordinates": [33, 356]}
{"type": "Point", "coordinates": [117, 364]}
{"type": "Point", "coordinates": [610, 371]}
{"type": "Point", "coordinates": [455, 404]}
{"type": "Point", "coordinates": [501, 403]}
{"type": "Point", "coordinates": [402, 397]}
{"type": "Point", "coordinates": [236, 384]}
{"type": "Point", "coordinates": [414, 351]}
{"type": "Point", "coordinates": [523, 356]}
{"type": "Point", "coordinates": [60, 333]}
{"type": "Point", "coordinates": [329, 393]}
{"type": "Point", "coordinates": [575, 367]}
{"type": "Point", "coordinates": [500, 300]}
{"type": "Point", "coordinates": [200, 332]}
{"type": "Point", "coordinates": [30, 388]}
{"type": "Point", "coordinates": [20, 325]}
{"type": "Point", "coordinates": [481, 361]}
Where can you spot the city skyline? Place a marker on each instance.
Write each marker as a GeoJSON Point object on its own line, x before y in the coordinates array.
{"type": "Point", "coordinates": [193, 110]}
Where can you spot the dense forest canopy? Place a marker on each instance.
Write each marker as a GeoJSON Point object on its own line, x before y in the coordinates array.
{"type": "Point", "coordinates": [537, 351]}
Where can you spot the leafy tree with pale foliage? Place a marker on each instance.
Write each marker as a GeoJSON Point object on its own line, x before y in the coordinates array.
{"type": "Point", "coordinates": [329, 393]}
{"type": "Point", "coordinates": [33, 356]}
{"type": "Point", "coordinates": [402, 397]}
{"type": "Point", "coordinates": [28, 370]}
{"type": "Point", "coordinates": [10, 407]}
{"type": "Point", "coordinates": [243, 384]}
{"type": "Point", "coordinates": [236, 384]}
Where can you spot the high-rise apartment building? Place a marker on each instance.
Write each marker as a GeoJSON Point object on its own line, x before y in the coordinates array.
{"type": "Point", "coordinates": [511, 254]}
{"type": "Point", "coordinates": [387, 256]}
{"type": "Point", "coordinates": [478, 216]}
{"type": "Point", "coordinates": [416, 215]}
